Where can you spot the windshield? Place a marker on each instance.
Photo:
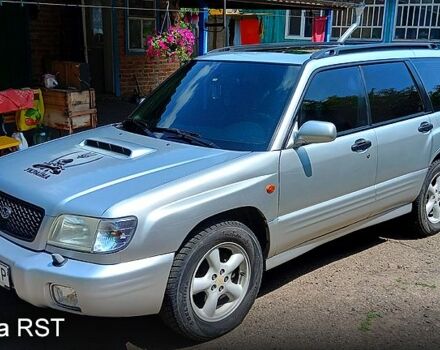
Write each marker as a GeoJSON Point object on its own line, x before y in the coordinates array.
{"type": "Point", "coordinates": [234, 105]}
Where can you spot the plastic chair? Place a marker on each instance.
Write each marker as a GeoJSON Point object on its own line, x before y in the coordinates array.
{"type": "Point", "coordinates": [8, 144]}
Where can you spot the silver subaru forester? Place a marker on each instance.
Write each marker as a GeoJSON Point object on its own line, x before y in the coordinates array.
{"type": "Point", "coordinates": [242, 160]}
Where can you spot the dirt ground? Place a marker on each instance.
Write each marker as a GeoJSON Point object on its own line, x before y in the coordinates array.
{"type": "Point", "coordinates": [377, 288]}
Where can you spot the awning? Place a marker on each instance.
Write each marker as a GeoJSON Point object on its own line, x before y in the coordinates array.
{"type": "Point", "coordinates": [272, 4]}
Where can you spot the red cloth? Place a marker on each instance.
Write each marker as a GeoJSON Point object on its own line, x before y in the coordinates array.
{"type": "Point", "coordinates": [12, 100]}
{"type": "Point", "coordinates": [318, 29]}
{"type": "Point", "coordinates": [250, 31]}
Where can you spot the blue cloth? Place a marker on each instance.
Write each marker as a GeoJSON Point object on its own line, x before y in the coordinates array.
{"type": "Point", "coordinates": [274, 26]}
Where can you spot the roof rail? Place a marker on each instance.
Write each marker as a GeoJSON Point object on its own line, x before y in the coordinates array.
{"type": "Point", "coordinates": [347, 49]}
{"type": "Point", "coordinates": [276, 47]}
{"type": "Point", "coordinates": [328, 49]}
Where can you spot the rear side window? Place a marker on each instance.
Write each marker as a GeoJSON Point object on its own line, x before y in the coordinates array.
{"type": "Point", "coordinates": [336, 96]}
{"type": "Point", "coordinates": [429, 71]}
{"type": "Point", "coordinates": [392, 91]}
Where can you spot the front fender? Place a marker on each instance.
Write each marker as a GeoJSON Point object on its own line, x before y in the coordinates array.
{"type": "Point", "coordinates": [169, 214]}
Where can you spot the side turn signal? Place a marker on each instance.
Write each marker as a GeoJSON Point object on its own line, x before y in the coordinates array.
{"type": "Point", "coordinates": [270, 188]}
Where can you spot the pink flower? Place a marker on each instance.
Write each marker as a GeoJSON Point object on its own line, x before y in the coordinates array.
{"type": "Point", "coordinates": [175, 44]}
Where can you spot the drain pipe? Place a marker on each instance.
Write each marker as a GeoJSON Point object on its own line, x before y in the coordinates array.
{"type": "Point", "coordinates": [359, 11]}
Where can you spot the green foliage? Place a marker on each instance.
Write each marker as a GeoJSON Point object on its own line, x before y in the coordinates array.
{"type": "Point", "coordinates": [365, 325]}
{"type": "Point", "coordinates": [421, 284]}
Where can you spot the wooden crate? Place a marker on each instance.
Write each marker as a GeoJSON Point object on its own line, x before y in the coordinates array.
{"type": "Point", "coordinates": [72, 74]}
{"type": "Point", "coordinates": [69, 109]}
{"type": "Point", "coordinates": [71, 101]}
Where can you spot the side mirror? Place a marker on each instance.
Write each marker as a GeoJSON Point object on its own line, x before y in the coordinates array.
{"type": "Point", "coordinates": [315, 132]}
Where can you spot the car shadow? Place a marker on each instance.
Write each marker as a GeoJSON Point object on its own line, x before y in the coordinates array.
{"type": "Point", "coordinates": [396, 229]}
{"type": "Point", "coordinates": [149, 332]}
{"type": "Point", "coordinates": [319, 257]}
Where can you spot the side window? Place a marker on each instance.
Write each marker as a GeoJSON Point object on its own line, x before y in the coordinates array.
{"type": "Point", "coordinates": [392, 91]}
{"type": "Point", "coordinates": [429, 71]}
{"type": "Point", "coordinates": [336, 96]}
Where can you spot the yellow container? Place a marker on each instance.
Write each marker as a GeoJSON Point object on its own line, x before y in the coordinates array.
{"type": "Point", "coordinates": [28, 119]}
{"type": "Point", "coordinates": [7, 142]}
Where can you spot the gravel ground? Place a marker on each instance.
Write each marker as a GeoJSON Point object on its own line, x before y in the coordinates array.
{"type": "Point", "coordinates": [377, 288]}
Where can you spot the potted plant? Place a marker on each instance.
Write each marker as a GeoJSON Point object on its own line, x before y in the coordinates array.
{"type": "Point", "coordinates": [176, 43]}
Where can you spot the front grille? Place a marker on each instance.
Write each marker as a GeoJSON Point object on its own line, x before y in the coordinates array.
{"type": "Point", "coordinates": [19, 218]}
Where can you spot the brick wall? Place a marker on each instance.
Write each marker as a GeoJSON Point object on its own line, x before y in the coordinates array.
{"type": "Point", "coordinates": [45, 38]}
{"type": "Point", "coordinates": [47, 44]}
{"type": "Point", "coordinates": [150, 73]}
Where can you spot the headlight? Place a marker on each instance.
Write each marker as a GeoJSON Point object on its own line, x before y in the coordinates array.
{"type": "Point", "coordinates": [92, 235]}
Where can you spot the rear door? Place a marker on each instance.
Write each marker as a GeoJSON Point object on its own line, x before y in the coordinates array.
{"type": "Point", "coordinates": [429, 71]}
{"type": "Point", "coordinates": [324, 187]}
{"type": "Point", "coordinates": [401, 120]}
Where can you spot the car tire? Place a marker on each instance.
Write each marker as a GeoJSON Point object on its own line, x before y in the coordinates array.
{"type": "Point", "coordinates": [213, 282]}
{"type": "Point", "coordinates": [425, 216]}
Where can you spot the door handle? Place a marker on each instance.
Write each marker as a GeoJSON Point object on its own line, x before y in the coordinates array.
{"type": "Point", "coordinates": [361, 145]}
{"type": "Point", "coordinates": [425, 127]}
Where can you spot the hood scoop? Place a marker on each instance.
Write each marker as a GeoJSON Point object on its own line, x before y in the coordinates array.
{"type": "Point", "coordinates": [108, 147]}
{"type": "Point", "coordinates": [116, 148]}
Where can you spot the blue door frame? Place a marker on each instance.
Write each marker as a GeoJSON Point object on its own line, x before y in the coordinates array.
{"type": "Point", "coordinates": [116, 65]}
{"type": "Point", "coordinates": [203, 33]}
{"type": "Point", "coordinates": [389, 20]}
{"type": "Point", "coordinates": [328, 25]}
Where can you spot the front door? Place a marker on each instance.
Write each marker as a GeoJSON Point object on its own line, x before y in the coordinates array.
{"type": "Point", "coordinates": [324, 187]}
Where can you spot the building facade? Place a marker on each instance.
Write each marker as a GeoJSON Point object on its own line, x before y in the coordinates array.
{"type": "Point", "coordinates": [109, 35]}
{"type": "Point", "coordinates": [382, 20]}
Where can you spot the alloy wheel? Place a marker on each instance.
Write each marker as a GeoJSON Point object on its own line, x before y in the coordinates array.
{"type": "Point", "coordinates": [433, 200]}
{"type": "Point", "coordinates": [220, 282]}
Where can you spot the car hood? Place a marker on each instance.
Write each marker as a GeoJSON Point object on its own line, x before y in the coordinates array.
{"type": "Point", "coordinates": [86, 173]}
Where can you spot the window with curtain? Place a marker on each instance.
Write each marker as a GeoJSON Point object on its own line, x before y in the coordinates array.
{"type": "Point", "coordinates": [141, 23]}
{"type": "Point", "coordinates": [299, 23]}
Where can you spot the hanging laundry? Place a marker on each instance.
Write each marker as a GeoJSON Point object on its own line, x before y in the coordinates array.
{"type": "Point", "coordinates": [318, 29]}
{"type": "Point", "coordinates": [250, 31]}
{"type": "Point", "coordinates": [237, 33]}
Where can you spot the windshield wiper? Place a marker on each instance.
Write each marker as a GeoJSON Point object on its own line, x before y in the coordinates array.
{"type": "Point", "coordinates": [139, 125]}
{"type": "Point", "coordinates": [186, 136]}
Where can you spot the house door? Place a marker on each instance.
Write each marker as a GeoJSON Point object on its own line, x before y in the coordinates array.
{"type": "Point", "coordinates": [100, 47]}
{"type": "Point", "coordinates": [15, 63]}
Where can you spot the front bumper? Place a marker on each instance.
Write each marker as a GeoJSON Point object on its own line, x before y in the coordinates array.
{"type": "Point", "coordinates": [127, 289]}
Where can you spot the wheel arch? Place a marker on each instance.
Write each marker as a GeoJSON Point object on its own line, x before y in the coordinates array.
{"type": "Point", "coordinates": [249, 216]}
{"type": "Point", "coordinates": [436, 157]}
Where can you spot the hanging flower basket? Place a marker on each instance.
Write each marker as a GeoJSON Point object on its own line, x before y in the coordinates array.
{"type": "Point", "coordinates": [177, 43]}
